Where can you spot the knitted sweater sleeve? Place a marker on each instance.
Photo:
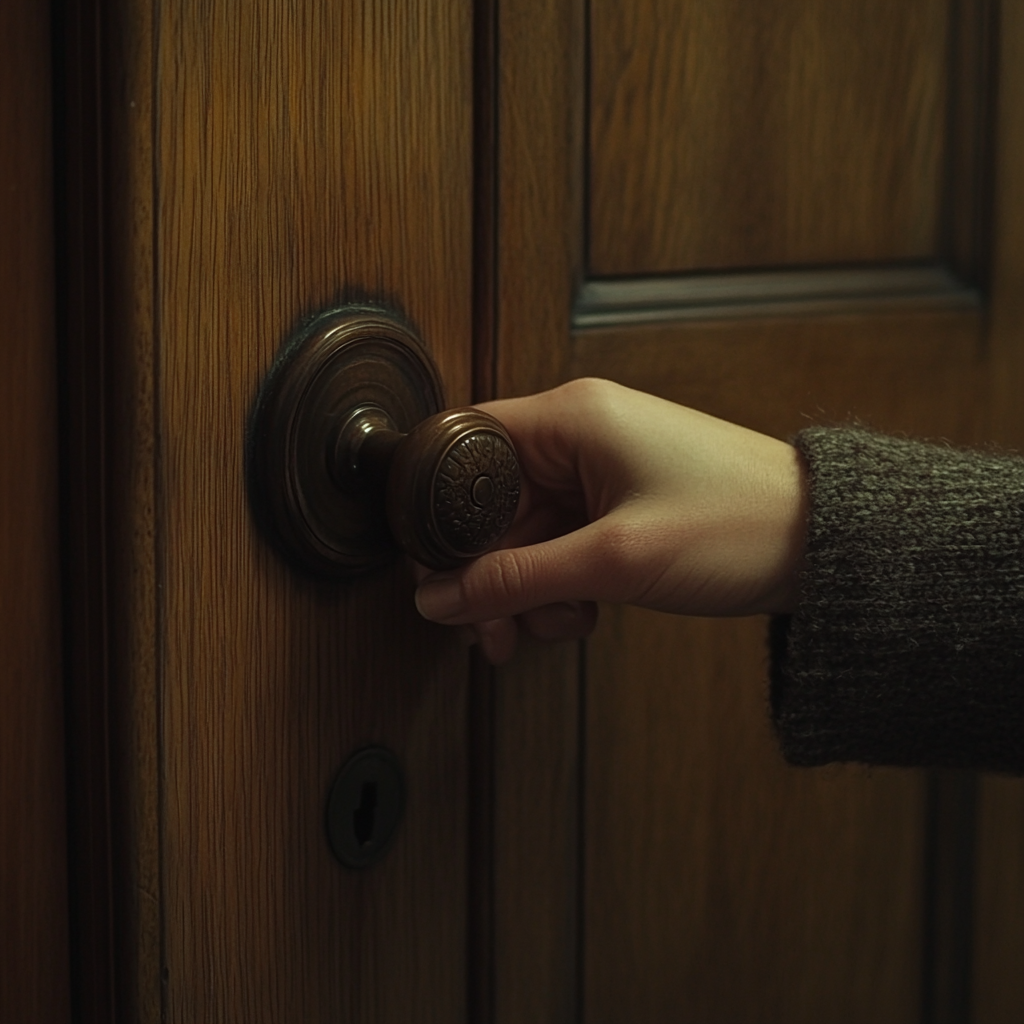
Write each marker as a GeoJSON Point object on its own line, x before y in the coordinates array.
{"type": "Point", "coordinates": [907, 647]}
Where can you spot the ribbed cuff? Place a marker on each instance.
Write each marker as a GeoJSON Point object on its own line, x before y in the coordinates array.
{"type": "Point", "coordinates": [907, 647]}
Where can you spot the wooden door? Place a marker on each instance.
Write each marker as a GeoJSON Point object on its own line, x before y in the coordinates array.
{"type": "Point", "coordinates": [782, 214]}
{"type": "Point", "coordinates": [778, 213]}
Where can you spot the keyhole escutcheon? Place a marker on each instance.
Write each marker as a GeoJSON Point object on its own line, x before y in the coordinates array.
{"type": "Point", "coordinates": [365, 806]}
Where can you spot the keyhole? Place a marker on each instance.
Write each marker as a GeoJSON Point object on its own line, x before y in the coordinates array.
{"type": "Point", "coordinates": [363, 815]}
{"type": "Point", "coordinates": [365, 806]}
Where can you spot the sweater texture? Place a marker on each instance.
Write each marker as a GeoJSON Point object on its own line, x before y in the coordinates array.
{"type": "Point", "coordinates": [907, 647]}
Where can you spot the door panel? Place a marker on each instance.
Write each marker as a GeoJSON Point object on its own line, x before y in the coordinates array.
{"type": "Point", "coordinates": [776, 889]}
{"type": "Point", "coordinates": [728, 136]}
{"type": "Point", "coordinates": [714, 883]}
{"type": "Point", "coordinates": [641, 853]}
{"type": "Point", "coordinates": [743, 889]}
{"type": "Point", "coordinates": [722, 885]}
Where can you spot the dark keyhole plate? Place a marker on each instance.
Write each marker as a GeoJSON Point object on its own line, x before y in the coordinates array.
{"type": "Point", "coordinates": [365, 807]}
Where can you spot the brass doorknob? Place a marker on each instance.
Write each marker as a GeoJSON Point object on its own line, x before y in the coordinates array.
{"type": "Point", "coordinates": [451, 485]}
{"type": "Point", "coordinates": [350, 459]}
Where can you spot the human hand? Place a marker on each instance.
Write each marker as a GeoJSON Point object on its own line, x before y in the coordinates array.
{"type": "Point", "coordinates": [631, 499]}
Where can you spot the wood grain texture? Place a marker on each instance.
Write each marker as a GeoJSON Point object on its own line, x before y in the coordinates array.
{"type": "Point", "coordinates": [536, 836]}
{"type": "Point", "coordinates": [34, 964]}
{"type": "Point", "coordinates": [967, 202]}
{"type": "Point", "coordinates": [998, 984]}
{"type": "Point", "coordinates": [721, 884]}
{"type": "Point", "coordinates": [536, 720]}
{"type": "Point", "coordinates": [540, 199]}
{"type": "Point", "coordinates": [306, 153]}
{"type": "Point", "coordinates": [731, 135]}
{"type": "Point", "coordinates": [1007, 257]}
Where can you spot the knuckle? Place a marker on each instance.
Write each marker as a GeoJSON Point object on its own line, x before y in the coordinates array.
{"type": "Point", "coordinates": [590, 393]}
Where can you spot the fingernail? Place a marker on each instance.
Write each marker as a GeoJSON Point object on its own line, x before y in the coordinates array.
{"type": "Point", "coordinates": [440, 599]}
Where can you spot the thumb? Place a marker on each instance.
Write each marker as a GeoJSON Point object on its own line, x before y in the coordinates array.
{"type": "Point", "coordinates": [511, 581]}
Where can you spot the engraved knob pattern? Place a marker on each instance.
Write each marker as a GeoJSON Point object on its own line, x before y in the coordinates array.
{"type": "Point", "coordinates": [476, 492]}
{"type": "Point", "coordinates": [453, 487]}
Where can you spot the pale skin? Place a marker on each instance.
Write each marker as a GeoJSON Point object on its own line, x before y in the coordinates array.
{"type": "Point", "coordinates": [629, 499]}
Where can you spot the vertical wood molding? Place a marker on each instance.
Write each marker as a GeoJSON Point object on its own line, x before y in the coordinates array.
{"type": "Point", "coordinates": [85, 484]}
{"type": "Point", "coordinates": [34, 960]}
{"type": "Point", "coordinates": [536, 717]}
{"type": "Point", "coordinates": [132, 340]}
{"type": "Point", "coordinates": [1006, 328]}
{"type": "Point", "coordinates": [107, 277]}
{"type": "Point", "coordinates": [540, 189]}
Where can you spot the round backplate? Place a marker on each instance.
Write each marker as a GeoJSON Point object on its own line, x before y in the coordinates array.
{"type": "Point", "coordinates": [343, 360]}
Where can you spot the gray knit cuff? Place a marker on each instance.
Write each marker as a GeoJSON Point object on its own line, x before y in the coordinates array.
{"type": "Point", "coordinates": [907, 647]}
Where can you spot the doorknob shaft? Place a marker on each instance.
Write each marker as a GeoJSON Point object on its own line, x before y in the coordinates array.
{"type": "Point", "coordinates": [450, 485]}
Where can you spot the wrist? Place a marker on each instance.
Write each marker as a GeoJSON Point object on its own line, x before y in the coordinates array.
{"type": "Point", "coordinates": [782, 594]}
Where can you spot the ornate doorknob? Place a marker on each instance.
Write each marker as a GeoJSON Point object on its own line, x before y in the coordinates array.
{"type": "Point", "coordinates": [350, 459]}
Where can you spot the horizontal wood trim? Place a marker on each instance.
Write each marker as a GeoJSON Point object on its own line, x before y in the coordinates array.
{"type": "Point", "coordinates": [647, 300]}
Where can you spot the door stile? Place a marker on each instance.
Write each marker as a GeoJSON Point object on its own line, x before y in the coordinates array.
{"type": "Point", "coordinates": [540, 193]}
